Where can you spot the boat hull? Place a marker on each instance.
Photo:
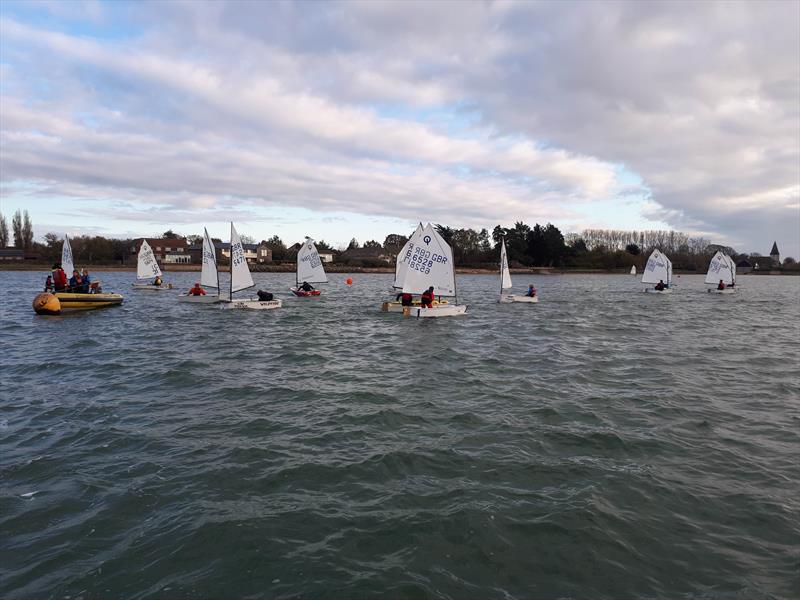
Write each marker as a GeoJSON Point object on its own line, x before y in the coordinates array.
{"type": "Point", "coordinates": [303, 293]}
{"type": "Point", "coordinates": [655, 291]}
{"type": "Point", "coordinates": [441, 310]}
{"type": "Point", "coordinates": [251, 304]}
{"type": "Point", "coordinates": [207, 299]}
{"type": "Point", "coordinates": [61, 302]}
{"type": "Point", "coordinates": [524, 299]}
{"type": "Point", "coordinates": [725, 291]}
{"type": "Point", "coordinates": [396, 307]}
{"type": "Point", "coordinates": [149, 287]}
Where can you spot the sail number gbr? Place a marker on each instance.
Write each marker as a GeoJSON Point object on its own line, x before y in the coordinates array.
{"type": "Point", "coordinates": [423, 260]}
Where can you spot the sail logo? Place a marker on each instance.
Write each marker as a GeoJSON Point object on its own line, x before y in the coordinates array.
{"type": "Point", "coordinates": [427, 239]}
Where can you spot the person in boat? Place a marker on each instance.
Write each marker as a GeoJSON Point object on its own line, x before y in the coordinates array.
{"type": "Point", "coordinates": [721, 285]}
{"type": "Point", "coordinates": [264, 296]}
{"type": "Point", "coordinates": [306, 287]}
{"type": "Point", "coordinates": [197, 290]}
{"type": "Point", "coordinates": [87, 282]}
{"type": "Point", "coordinates": [59, 278]}
{"type": "Point", "coordinates": [48, 284]}
{"type": "Point", "coordinates": [427, 298]}
{"type": "Point", "coordinates": [75, 282]}
{"type": "Point", "coordinates": [405, 298]}
{"type": "Point", "coordinates": [157, 281]}
{"type": "Point", "coordinates": [531, 293]}
{"type": "Point", "coordinates": [660, 285]}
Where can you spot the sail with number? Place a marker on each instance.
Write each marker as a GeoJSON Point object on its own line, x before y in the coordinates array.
{"type": "Point", "coordinates": [658, 268]}
{"type": "Point", "coordinates": [209, 276]}
{"type": "Point", "coordinates": [146, 264]}
{"type": "Point", "coordinates": [66, 257]}
{"type": "Point", "coordinates": [309, 264]}
{"type": "Point", "coordinates": [430, 264]}
{"type": "Point", "coordinates": [720, 268]}
{"type": "Point", "coordinates": [505, 273]}
{"type": "Point", "coordinates": [240, 273]}
{"type": "Point", "coordinates": [403, 257]}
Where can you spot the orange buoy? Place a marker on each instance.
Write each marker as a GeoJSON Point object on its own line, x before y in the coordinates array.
{"type": "Point", "coordinates": [349, 281]}
{"type": "Point", "coordinates": [46, 304]}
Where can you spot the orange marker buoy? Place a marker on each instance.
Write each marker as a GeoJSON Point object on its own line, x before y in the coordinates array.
{"type": "Point", "coordinates": [349, 281]}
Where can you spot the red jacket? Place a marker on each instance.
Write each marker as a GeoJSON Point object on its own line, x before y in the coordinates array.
{"type": "Point", "coordinates": [427, 297]}
{"type": "Point", "coordinates": [59, 278]}
{"type": "Point", "coordinates": [197, 291]}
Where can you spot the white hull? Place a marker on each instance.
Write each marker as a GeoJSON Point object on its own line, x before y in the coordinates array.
{"type": "Point", "coordinates": [252, 304]}
{"type": "Point", "coordinates": [725, 291]}
{"type": "Point", "coordinates": [207, 299]}
{"type": "Point", "coordinates": [440, 310]}
{"type": "Point", "coordinates": [396, 307]}
{"type": "Point", "coordinates": [149, 287]}
{"type": "Point", "coordinates": [655, 291]}
{"type": "Point", "coordinates": [513, 298]}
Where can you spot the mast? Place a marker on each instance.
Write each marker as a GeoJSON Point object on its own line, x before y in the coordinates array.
{"type": "Point", "coordinates": [502, 251]}
{"type": "Point", "coordinates": [230, 255]}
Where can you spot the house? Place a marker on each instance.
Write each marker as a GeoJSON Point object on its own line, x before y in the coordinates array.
{"type": "Point", "coordinates": [744, 266]}
{"type": "Point", "coordinates": [264, 253]}
{"type": "Point", "coordinates": [326, 257]}
{"type": "Point", "coordinates": [372, 253]}
{"type": "Point", "coordinates": [11, 254]}
{"type": "Point", "coordinates": [252, 253]}
{"type": "Point", "coordinates": [162, 247]}
{"type": "Point", "coordinates": [178, 257]}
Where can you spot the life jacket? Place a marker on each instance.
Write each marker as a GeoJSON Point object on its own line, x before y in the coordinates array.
{"type": "Point", "coordinates": [427, 297]}
{"type": "Point", "coordinates": [197, 291]}
{"type": "Point", "coordinates": [406, 299]}
{"type": "Point", "coordinates": [59, 278]}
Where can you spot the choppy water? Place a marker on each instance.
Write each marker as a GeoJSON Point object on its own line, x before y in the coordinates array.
{"type": "Point", "coordinates": [602, 444]}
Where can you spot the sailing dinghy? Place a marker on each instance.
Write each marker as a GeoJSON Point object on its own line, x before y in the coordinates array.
{"type": "Point", "coordinates": [431, 264]}
{"type": "Point", "coordinates": [209, 275]}
{"type": "Point", "coordinates": [147, 267]}
{"type": "Point", "coordinates": [242, 280]}
{"type": "Point", "coordinates": [505, 280]}
{"type": "Point", "coordinates": [309, 269]}
{"type": "Point", "coordinates": [633, 270]}
{"type": "Point", "coordinates": [721, 268]}
{"type": "Point", "coordinates": [658, 268]}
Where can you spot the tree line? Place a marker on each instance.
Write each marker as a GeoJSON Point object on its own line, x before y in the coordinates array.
{"type": "Point", "coordinates": [537, 246]}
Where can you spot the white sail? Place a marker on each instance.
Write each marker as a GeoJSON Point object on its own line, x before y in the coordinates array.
{"type": "Point", "coordinates": [719, 268]}
{"type": "Point", "coordinates": [209, 277]}
{"type": "Point", "coordinates": [733, 269]}
{"type": "Point", "coordinates": [66, 257]}
{"type": "Point", "coordinates": [401, 265]}
{"type": "Point", "coordinates": [146, 265]}
{"type": "Point", "coordinates": [240, 273]}
{"type": "Point", "coordinates": [431, 264]}
{"type": "Point", "coordinates": [658, 268]}
{"type": "Point", "coordinates": [309, 264]}
{"type": "Point", "coordinates": [633, 270]}
{"type": "Point", "coordinates": [505, 274]}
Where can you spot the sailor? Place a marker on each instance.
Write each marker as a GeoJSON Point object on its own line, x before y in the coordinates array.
{"type": "Point", "coordinates": [87, 281]}
{"type": "Point", "coordinates": [306, 287]}
{"type": "Point", "coordinates": [75, 282]}
{"type": "Point", "coordinates": [197, 290]}
{"type": "Point", "coordinates": [660, 285]}
{"type": "Point", "coordinates": [264, 296]}
{"type": "Point", "coordinates": [48, 284]}
{"type": "Point", "coordinates": [405, 298]}
{"type": "Point", "coordinates": [59, 278]}
{"type": "Point", "coordinates": [531, 293]}
{"type": "Point", "coordinates": [721, 285]}
{"type": "Point", "coordinates": [427, 298]}
{"type": "Point", "coordinates": [157, 280]}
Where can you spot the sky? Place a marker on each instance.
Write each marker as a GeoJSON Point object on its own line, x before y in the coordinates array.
{"type": "Point", "coordinates": [360, 119]}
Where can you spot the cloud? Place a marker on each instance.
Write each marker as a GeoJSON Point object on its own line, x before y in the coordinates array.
{"type": "Point", "coordinates": [495, 112]}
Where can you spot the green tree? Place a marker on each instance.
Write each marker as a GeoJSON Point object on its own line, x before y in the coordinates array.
{"type": "Point", "coordinates": [372, 244]}
{"type": "Point", "coordinates": [394, 242]}
{"type": "Point", "coordinates": [16, 228]}
{"type": "Point", "coordinates": [278, 248]}
{"type": "Point", "coordinates": [353, 244]}
{"type": "Point", "coordinates": [3, 231]}
{"type": "Point", "coordinates": [170, 235]}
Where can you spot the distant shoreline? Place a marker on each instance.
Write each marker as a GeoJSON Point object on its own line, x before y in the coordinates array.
{"type": "Point", "coordinates": [290, 268]}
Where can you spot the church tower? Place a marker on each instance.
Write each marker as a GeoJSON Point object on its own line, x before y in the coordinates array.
{"type": "Point", "coordinates": [775, 255]}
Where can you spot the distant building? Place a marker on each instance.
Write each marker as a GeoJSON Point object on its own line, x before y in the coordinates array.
{"type": "Point", "coordinates": [326, 257]}
{"type": "Point", "coordinates": [775, 255]}
{"type": "Point", "coordinates": [253, 253]}
{"type": "Point", "coordinates": [162, 249]}
{"type": "Point", "coordinates": [11, 254]}
{"type": "Point", "coordinates": [372, 253]}
{"type": "Point", "coordinates": [744, 266]}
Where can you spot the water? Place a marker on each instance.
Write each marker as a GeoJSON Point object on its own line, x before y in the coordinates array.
{"type": "Point", "coordinates": [602, 444]}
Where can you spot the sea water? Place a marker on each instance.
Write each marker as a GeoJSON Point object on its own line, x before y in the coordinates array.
{"type": "Point", "coordinates": [603, 443]}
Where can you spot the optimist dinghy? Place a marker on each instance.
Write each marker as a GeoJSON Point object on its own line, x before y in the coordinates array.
{"type": "Point", "coordinates": [147, 267]}
{"type": "Point", "coordinates": [633, 270]}
{"type": "Point", "coordinates": [658, 268]}
{"type": "Point", "coordinates": [721, 268]}
{"type": "Point", "coordinates": [309, 269]}
{"type": "Point", "coordinates": [242, 280]}
{"type": "Point", "coordinates": [505, 280]}
{"type": "Point", "coordinates": [209, 275]}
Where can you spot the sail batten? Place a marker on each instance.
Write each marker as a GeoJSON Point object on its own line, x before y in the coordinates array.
{"type": "Point", "coordinates": [309, 264]}
{"type": "Point", "coordinates": [146, 264]}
